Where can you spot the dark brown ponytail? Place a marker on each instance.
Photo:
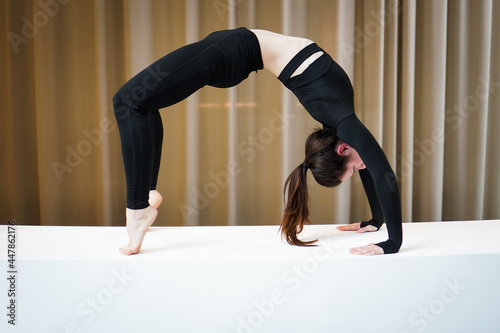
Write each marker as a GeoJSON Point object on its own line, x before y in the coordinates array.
{"type": "Point", "coordinates": [297, 208]}
{"type": "Point", "coordinates": [327, 168]}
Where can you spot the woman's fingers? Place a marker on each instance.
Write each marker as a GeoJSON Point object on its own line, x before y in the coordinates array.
{"type": "Point", "coordinates": [349, 227]}
{"type": "Point", "coordinates": [367, 250]}
{"type": "Point", "coordinates": [356, 227]}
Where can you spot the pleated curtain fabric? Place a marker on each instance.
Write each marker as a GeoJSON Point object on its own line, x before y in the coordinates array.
{"type": "Point", "coordinates": [426, 77]}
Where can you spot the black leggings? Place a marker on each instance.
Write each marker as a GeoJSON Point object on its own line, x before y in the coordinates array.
{"type": "Point", "coordinates": [223, 59]}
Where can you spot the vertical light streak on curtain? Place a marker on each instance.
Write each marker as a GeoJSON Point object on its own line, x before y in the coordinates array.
{"type": "Point", "coordinates": [492, 184]}
{"type": "Point", "coordinates": [50, 211]}
{"type": "Point", "coordinates": [480, 39]}
{"type": "Point", "coordinates": [251, 13]}
{"type": "Point", "coordinates": [7, 175]}
{"type": "Point", "coordinates": [111, 32]}
{"type": "Point", "coordinates": [388, 19]}
{"type": "Point", "coordinates": [483, 43]}
{"type": "Point", "coordinates": [467, 109]}
{"type": "Point", "coordinates": [430, 101]}
{"type": "Point", "coordinates": [407, 113]}
{"type": "Point", "coordinates": [192, 124]}
{"type": "Point", "coordinates": [232, 217]}
{"type": "Point", "coordinates": [372, 65]}
{"type": "Point", "coordinates": [456, 142]}
{"type": "Point", "coordinates": [19, 160]}
{"type": "Point", "coordinates": [139, 18]}
{"type": "Point", "coordinates": [104, 103]}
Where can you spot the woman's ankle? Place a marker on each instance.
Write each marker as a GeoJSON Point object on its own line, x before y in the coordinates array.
{"type": "Point", "coordinates": [155, 198]}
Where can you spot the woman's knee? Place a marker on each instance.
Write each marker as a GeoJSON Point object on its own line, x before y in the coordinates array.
{"type": "Point", "coordinates": [120, 107]}
{"type": "Point", "coordinates": [127, 100]}
{"type": "Point", "coordinates": [136, 95]}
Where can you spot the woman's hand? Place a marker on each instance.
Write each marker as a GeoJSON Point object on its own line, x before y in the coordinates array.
{"type": "Point", "coordinates": [356, 227]}
{"type": "Point", "coordinates": [367, 250]}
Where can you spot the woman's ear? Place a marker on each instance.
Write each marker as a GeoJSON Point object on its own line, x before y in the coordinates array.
{"type": "Point", "coordinates": [342, 148]}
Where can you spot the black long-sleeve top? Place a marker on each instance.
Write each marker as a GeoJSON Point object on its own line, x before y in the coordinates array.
{"type": "Point", "coordinates": [325, 91]}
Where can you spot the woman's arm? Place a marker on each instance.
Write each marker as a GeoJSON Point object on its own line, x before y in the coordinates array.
{"type": "Point", "coordinates": [355, 134]}
{"type": "Point", "coordinates": [377, 216]}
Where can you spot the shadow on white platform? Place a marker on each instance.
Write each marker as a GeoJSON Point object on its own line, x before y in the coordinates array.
{"type": "Point", "coordinates": [245, 279]}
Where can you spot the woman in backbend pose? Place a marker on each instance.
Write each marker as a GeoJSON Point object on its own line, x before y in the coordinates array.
{"type": "Point", "coordinates": [223, 59]}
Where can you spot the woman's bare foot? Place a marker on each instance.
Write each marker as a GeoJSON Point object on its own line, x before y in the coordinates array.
{"type": "Point", "coordinates": [155, 198]}
{"type": "Point", "coordinates": [138, 223]}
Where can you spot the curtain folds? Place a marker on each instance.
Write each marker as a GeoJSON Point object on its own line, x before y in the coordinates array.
{"type": "Point", "coordinates": [425, 73]}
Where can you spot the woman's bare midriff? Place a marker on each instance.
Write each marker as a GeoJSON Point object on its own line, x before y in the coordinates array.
{"type": "Point", "coordinates": [277, 51]}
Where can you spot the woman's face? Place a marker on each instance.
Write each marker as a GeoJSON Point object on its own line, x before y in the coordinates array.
{"type": "Point", "coordinates": [354, 162]}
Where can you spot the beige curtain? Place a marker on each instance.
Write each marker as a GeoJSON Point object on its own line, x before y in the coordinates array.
{"type": "Point", "coordinates": [427, 84]}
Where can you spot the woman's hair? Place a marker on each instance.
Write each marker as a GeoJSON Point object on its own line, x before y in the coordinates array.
{"type": "Point", "coordinates": [327, 168]}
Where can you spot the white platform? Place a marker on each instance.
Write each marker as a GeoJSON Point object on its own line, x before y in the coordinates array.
{"type": "Point", "coordinates": [245, 279]}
